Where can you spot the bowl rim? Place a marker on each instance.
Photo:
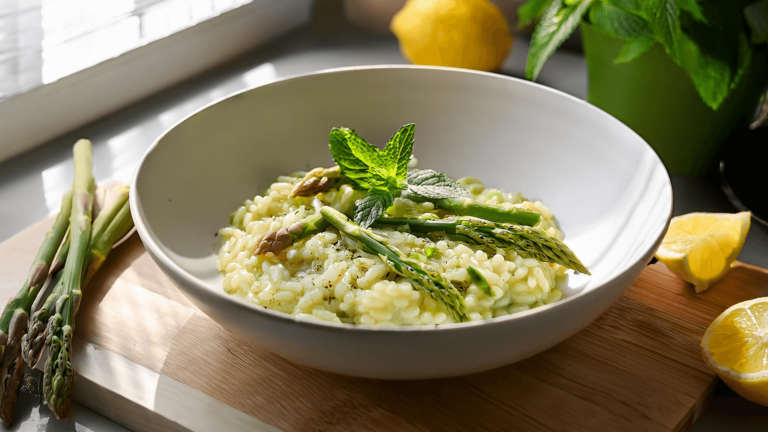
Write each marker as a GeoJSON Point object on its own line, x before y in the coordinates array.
{"type": "Point", "coordinates": [162, 259]}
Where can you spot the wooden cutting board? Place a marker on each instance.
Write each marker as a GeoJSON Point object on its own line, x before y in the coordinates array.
{"type": "Point", "coordinates": [148, 359]}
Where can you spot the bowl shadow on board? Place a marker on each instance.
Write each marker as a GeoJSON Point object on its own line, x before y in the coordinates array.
{"type": "Point", "coordinates": [295, 397]}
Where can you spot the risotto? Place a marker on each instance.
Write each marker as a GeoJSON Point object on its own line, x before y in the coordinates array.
{"type": "Point", "coordinates": [330, 277]}
{"type": "Point", "coordinates": [423, 248]}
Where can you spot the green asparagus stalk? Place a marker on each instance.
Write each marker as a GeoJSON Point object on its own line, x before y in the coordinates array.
{"type": "Point", "coordinates": [316, 181]}
{"type": "Point", "coordinates": [423, 277]}
{"type": "Point", "coordinates": [13, 322]}
{"type": "Point", "coordinates": [61, 257]}
{"type": "Point", "coordinates": [59, 377]}
{"type": "Point", "coordinates": [467, 207]}
{"type": "Point", "coordinates": [119, 226]}
{"type": "Point", "coordinates": [277, 241]}
{"type": "Point", "coordinates": [528, 242]}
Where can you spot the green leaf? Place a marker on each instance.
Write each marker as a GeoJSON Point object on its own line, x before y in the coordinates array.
{"type": "Point", "coordinates": [757, 18]}
{"type": "Point", "coordinates": [398, 151]}
{"type": "Point", "coordinates": [530, 11]}
{"type": "Point", "coordinates": [430, 251]}
{"type": "Point", "coordinates": [478, 279]}
{"type": "Point", "coordinates": [692, 7]}
{"type": "Point", "coordinates": [715, 55]}
{"type": "Point", "coordinates": [372, 207]}
{"type": "Point", "coordinates": [557, 23]}
{"type": "Point", "coordinates": [710, 75]}
{"type": "Point", "coordinates": [631, 6]}
{"type": "Point", "coordinates": [618, 22]}
{"type": "Point", "coordinates": [428, 185]}
{"type": "Point", "coordinates": [744, 59]}
{"type": "Point", "coordinates": [634, 48]}
{"type": "Point", "coordinates": [367, 166]}
{"type": "Point", "coordinates": [355, 156]}
{"type": "Point", "coordinates": [664, 21]}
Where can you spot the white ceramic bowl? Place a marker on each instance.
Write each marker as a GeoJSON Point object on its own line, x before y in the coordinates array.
{"type": "Point", "coordinates": [609, 191]}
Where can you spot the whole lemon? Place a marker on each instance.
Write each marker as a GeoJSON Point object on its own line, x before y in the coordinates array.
{"type": "Point", "coordinates": [470, 34]}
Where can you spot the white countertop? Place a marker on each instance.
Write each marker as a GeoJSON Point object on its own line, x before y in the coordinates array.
{"type": "Point", "coordinates": [32, 184]}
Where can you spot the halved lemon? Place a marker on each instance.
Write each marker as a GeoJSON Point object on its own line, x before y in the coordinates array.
{"type": "Point", "coordinates": [735, 346]}
{"type": "Point", "coordinates": [700, 247]}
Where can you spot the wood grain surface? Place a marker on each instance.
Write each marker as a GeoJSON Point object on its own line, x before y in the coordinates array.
{"type": "Point", "coordinates": [145, 350]}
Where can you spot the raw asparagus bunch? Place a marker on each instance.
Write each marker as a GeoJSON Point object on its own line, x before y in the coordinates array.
{"type": "Point", "coordinates": [58, 381]}
{"type": "Point", "coordinates": [111, 224]}
{"type": "Point", "coordinates": [13, 323]}
{"type": "Point", "coordinates": [528, 242]}
{"type": "Point", "coordinates": [423, 277]}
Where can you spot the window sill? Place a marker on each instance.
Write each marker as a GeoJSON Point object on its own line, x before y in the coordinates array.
{"type": "Point", "coordinates": [42, 113]}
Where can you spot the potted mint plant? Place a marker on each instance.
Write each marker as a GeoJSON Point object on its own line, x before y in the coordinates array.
{"type": "Point", "coordinates": [683, 74]}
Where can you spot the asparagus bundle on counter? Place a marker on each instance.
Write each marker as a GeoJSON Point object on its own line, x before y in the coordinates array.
{"type": "Point", "coordinates": [423, 277]}
{"type": "Point", "coordinates": [80, 254]}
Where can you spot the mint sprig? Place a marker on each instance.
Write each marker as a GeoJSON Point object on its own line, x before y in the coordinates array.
{"type": "Point", "coordinates": [384, 173]}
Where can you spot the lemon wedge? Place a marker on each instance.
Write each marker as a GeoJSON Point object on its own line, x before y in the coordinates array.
{"type": "Point", "coordinates": [700, 247]}
{"type": "Point", "coordinates": [735, 346]}
{"type": "Point", "coordinates": [470, 34]}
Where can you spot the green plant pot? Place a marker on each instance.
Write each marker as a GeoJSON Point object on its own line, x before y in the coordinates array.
{"type": "Point", "coordinates": [657, 99]}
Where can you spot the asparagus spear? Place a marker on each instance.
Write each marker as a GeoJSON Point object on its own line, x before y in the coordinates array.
{"type": "Point", "coordinates": [59, 378]}
{"type": "Point", "coordinates": [467, 207]}
{"type": "Point", "coordinates": [528, 242]}
{"type": "Point", "coordinates": [422, 276]}
{"type": "Point", "coordinates": [278, 241]}
{"type": "Point", "coordinates": [119, 226]}
{"type": "Point", "coordinates": [315, 181]}
{"type": "Point", "coordinates": [13, 322]}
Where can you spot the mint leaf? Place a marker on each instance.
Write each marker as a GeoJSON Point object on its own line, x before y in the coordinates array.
{"type": "Point", "coordinates": [560, 19]}
{"type": "Point", "coordinates": [355, 156]}
{"type": "Point", "coordinates": [715, 56]}
{"type": "Point", "coordinates": [478, 279]}
{"type": "Point", "coordinates": [710, 75]}
{"type": "Point", "coordinates": [664, 21]}
{"type": "Point", "coordinates": [428, 185]}
{"type": "Point", "coordinates": [744, 59]}
{"type": "Point", "coordinates": [367, 166]}
{"type": "Point", "coordinates": [692, 7]}
{"type": "Point", "coordinates": [372, 206]}
{"type": "Point", "coordinates": [398, 152]}
{"type": "Point", "coordinates": [530, 11]}
{"type": "Point", "coordinates": [634, 48]}
{"type": "Point", "coordinates": [631, 6]}
{"type": "Point", "coordinates": [618, 22]}
{"type": "Point", "coordinates": [757, 18]}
